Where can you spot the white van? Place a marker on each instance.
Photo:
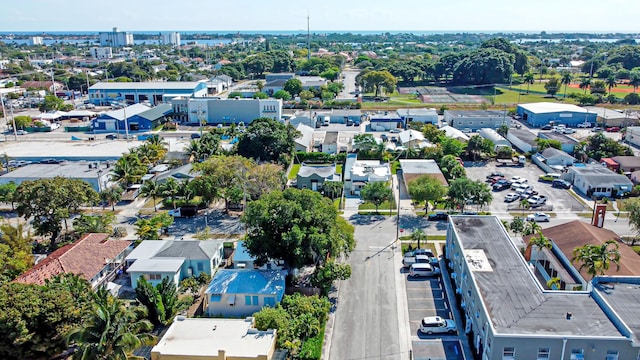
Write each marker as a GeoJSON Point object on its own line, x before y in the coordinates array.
{"type": "Point", "coordinates": [326, 121]}
{"type": "Point", "coordinates": [423, 269]}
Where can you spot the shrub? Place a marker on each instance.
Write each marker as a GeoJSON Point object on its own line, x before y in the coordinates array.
{"type": "Point", "coordinates": [312, 348]}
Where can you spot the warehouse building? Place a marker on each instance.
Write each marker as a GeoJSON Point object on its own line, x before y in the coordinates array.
{"type": "Point", "coordinates": [523, 139]}
{"type": "Point", "coordinates": [474, 120]}
{"type": "Point", "coordinates": [425, 116]}
{"type": "Point", "coordinates": [231, 111]}
{"type": "Point", "coordinates": [541, 114]}
{"type": "Point", "coordinates": [133, 118]}
{"type": "Point", "coordinates": [497, 139]}
{"type": "Point", "coordinates": [97, 174]}
{"type": "Point", "coordinates": [509, 314]}
{"type": "Point", "coordinates": [154, 92]}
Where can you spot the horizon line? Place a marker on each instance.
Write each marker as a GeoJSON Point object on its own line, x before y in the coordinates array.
{"type": "Point", "coordinates": [343, 31]}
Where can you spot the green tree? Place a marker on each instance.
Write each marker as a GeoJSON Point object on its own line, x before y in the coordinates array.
{"type": "Point", "coordinates": [597, 258]}
{"type": "Point", "coordinates": [48, 202]}
{"type": "Point", "coordinates": [325, 275]}
{"type": "Point", "coordinates": [376, 192]}
{"type": "Point", "coordinates": [375, 81]}
{"type": "Point", "coordinates": [151, 189]}
{"type": "Point", "coordinates": [111, 332]}
{"type": "Point", "coordinates": [611, 82]}
{"type": "Point", "coordinates": [451, 167]}
{"type": "Point", "coordinates": [451, 146]}
{"type": "Point", "coordinates": [7, 193]}
{"type": "Point", "coordinates": [225, 175]}
{"type": "Point", "coordinates": [419, 235]}
{"type": "Point", "coordinates": [531, 227]}
{"type": "Point", "coordinates": [282, 94]}
{"type": "Point", "coordinates": [333, 188]}
{"type": "Point", "coordinates": [171, 189]}
{"type": "Point", "coordinates": [463, 190]}
{"type": "Point", "coordinates": [475, 146]}
{"type": "Point", "coordinates": [484, 66]}
{"type": "Point", "coordinates": [51, 103]}
{"type": "Point", "coordinates": [111, 196]}
{"type": "Point", "coordinates": [426, 188]}
{"type": "Point", "coordinates": [23, 121]}
{"type": "Point", "coordinates": [300, 227]}
{"type": "Point", "coordinates": [517, 225]}
{"type": "Point", "coordinates": [633, 207]}
{"type": "Point", "coordinates": [260, 95]}
{"type": "Point", "coordinates": [128, 170]}
{"type": "Point", "coordinates": [268, 140]}
{"type": "Point", "coordinates": [161, 301]}
{"type": "Point", "coordinates": [566, 80]}
{"type": "Point", "coordinates": [15, 252]}
{"type": "Point", "coordinates": [365, 142]}
{"type": "Point", "coordinates": [529, 79]}
{"type": "Point", "coordinates": [634, 79]}
{"type": "Point", "coordinates": [585, 84]}
{"type": "Point", "coordinates": [552, 86]}
{"type": "Point", "coordinates": [100, 223]}
{"type": "Point", "coordinates": [598, 87]}
{"type": "Point", "coordinates": [539, 241]}
{"type": "Point", "coordinates": [293, 86]}
{"type": "Point", "coordinates": [432, 133]}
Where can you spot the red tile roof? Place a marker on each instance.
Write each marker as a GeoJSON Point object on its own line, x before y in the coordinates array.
{"type": "Point", "coordinates": [86, 257]}
{"type": "Point", "coordinates": [579, 233]}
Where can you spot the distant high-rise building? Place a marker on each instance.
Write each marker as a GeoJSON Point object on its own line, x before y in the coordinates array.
{"type": "Point", "coordinates": [35, 40]}
{"type": "Point", "coordinates": [101, 52]}
{"type": "Point", "coordinates": [172, 38]}
{"type": "Point", "coordinates": [116, 38]}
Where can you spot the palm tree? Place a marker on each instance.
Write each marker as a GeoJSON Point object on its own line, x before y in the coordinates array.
{"type": "Point", "coordinates": [584, 84]}
{"type": "Point", "coordinates": [611, 82]}
{"type": "Point", "coordinates": [419, 235]}
{"type": "Point", "coordinates": [155, 139]}
{"type": "Point", "coordinates": [171, 188]}
{"type": "Point", "coordinates": [634, 79]}
{"type": "Point", "coordinates": [539, 241]}
{"type": "Point", "coordinates": [530, 228]}
{"type": "Point", "coordinates": [529, 79]}
{"type": "Point", "coordinates": [128, 170]}
{"type": "Point", "coordinates": [86, 224]}
{"type": "Point", "coordinates": [554, 282]}
{"type": "Point", "coordinates": [111, 196]}
{"type": "Point", "coordinates": [194, 149]}
{"type": "Point", "coordinates": [597, 258]}
{"type": "Point", "coordinates": [566, 80]}
{"type": "Point", "coordinates": [151, 189]}
{"type": "Point", "coordinates": [524, 204]}
{"type": "Point", "coordinates": [111, 332]}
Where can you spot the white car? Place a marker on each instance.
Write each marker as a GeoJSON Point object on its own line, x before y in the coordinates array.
{"type": "Point", "coordinates": [511, 197]}
{"type": "Point", "coordinates": [568, 131]}
{"type": "Point", "coordinates": [437, 325]}
{"type": "Point", "coordinates": [518, 179]}
{"type": "Point", "coordinates": [584, 125]}
{"type": "Point", "coordinates": [539, 217]}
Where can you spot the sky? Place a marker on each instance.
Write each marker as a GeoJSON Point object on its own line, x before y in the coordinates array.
{"type": "Point", "coordinates": [325, 15]}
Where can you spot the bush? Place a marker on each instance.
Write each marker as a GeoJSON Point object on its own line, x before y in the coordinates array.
{"type": "Point", "coordinates": [119, 232]}
{"type": "Point", "coordinates": [319, 158]}
{"type": "Point", "coordinates": [312, 348]}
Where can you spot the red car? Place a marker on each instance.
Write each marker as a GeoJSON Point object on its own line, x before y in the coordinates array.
{"type": "Point", "coordinates": [613, 129]}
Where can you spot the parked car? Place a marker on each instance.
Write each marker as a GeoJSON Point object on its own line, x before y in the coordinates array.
{"type": "Point", "coordinates": [537, 200]}
{"type": "Point", "coordinates": [437, 325]}
{"type": "Point", "coordinates": [584, 125]}
{"type": "Point", "coordinates": [517, 179]}
{"type": "Point", "coordinates": [394, 131]}
{"type": "Point", "coordinates": [561, 184]}
{"type": "Point", "coordinates": [195, 136]}
{"type": "Point", "coordinates": [511, 197]}
{"type": "Point", "coordinates": [501, 185]}
{"type": "Point", "coordinates": [438, 216]}
{"type": "Point", "coordinates": [539, 217]}
{"type": "Point", "coordinates": [111, 136]}
{"type": "Point", "coordinates": [384, 137]}
{"type": "Point", "coordinates": [613, 129]}
{"type": "Point", "coordinates": [596, 129]}
{"type": "Point", "coordinates": [568, 131]}
{"type": "Point", "coordinates": [423, 270]}
{"type": "Point", "coordinates": [546, 127]}
{"type": "Point", "coordinates": [21, 132]}
{"type": "Point", "coordinates": [411, 257]}
{"type": "Point", "coordinates": [495, 174]}
{"type": "Point", "coordinates": [549, 177]}
{"type": "Point", "coordinates": [528, 193]}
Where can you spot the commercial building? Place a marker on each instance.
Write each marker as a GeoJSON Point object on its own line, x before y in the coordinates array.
{"type": "Point", "coordinates": [36, 40]}
{"type": "Point", "coordinates": [508, 314]}
{"type": "Point", "coordinates": [523, 139]}
{"type": "Point", "coordinates": [540, 114]}
{"type": "Point", "coordinates": [215, 339]}
{"type": "Point", "coordinates": [475, 120]}
{"type": "Point", "coordinates": [497, 139]}
{"type": "Point", "coordinates": [95, 173]}
{"type": "Point", "coordinates": [172, 38]}
{"type": "Point", "coordinates": [133, 118]}
{"type": "Point", "coordinates": [609, 117]}
{"type": "Point", "coordinates": [426, 116]}
{"type": "Point", "coordinates": [633, 135]}
{"type": "Point", "coordinates": [386, 121]}
{"type": "Point", "coordinates": [598, 181]}
{"type": "Point", "coordinates": [232, 111]}
{"type": "Point", "coordinates": [101, 52]}
{"type": "Point", "coordinates": [153, 92]}
{"type": "Point", "coordinates": [115, 38]}
{"type": "Point", "coordinates": [625, 164]}
{"type": "Point", "coordinates": [567, 143]}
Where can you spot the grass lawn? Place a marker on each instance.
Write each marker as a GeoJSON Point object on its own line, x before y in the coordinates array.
{"type": "Point", "coordinates": [381, 212]}
{"type": "Point", "coordinates": [339, 169]}
{"type": "Point", "coordinates": [336, 203]}
{"type": "Point", "coordinates": [383, 206]}
{"type": "Point", "coordinates": [294, 172]}
{"type": "Point", "coordinates": [423, 245]}
{"type": "Point", "coordinates": [429, 237]}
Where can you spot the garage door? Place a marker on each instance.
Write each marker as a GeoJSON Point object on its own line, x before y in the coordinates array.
{"type": "Point", "coordinates": [110, 125]}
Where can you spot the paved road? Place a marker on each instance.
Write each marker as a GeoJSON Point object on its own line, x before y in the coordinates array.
{"type": "Point", "coordinates": [349, 81]}
{"type": "Point", "coordinates": [367, 315]}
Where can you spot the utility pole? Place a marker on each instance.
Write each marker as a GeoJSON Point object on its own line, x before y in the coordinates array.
{"type": "Point", "coordinates": [308, 40]}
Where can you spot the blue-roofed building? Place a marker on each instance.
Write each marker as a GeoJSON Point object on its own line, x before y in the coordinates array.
{"type": "Point", "coordinates": [386, 121]}
{"type": "Point", "coordinates": [238, 293]}
{"type": "Point", "coordinates": [540, 114]}
{"type": "Point", "coordinates": [139, 117]}
{"type": "Point", "coordinates": [243, 260]}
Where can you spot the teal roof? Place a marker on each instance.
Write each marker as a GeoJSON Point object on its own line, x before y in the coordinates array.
{"type": "Point", "coordinates": [156, 112]}
{"type": "Point", "coordinates": [265, 282]}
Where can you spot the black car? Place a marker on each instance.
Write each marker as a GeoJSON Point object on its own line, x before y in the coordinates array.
{"type": "Point", "coordinates": [546, 127]}
{"type": "Point", "coordinates": [495, 174]}
{"type": "Point", "coordinates": [501, 185]}
{"type": "Point", "coordinates": [561, 184]}
{"type": "Point", "coordinates": [384, 137]}
{"type": "Point", "coordinates": [195, 136]}
{"type": "Point", "coordinates": [438, 216]}
{"type": "Point", "coordinates": [111, 136]}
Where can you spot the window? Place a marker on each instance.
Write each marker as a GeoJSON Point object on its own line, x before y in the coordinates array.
{"type": "Point", "coordinates": [612, 355]}
{"type": "Point", "coordinates": [247, 300]}
{"type": "Point", "coordinates": [153, 276]}
{"type": "Point", "coordinates": [255, 300]}
{"type": "Point", "coordinates": [543, 353]}
{"type": "Point", "coordinates": [577, 354]}
{"type": "Point", "coordinates": [200, 266]}
{"type": "Point", "coordinates": [508, 353]}
{"type": "Point", "coordinates": [270, 301]}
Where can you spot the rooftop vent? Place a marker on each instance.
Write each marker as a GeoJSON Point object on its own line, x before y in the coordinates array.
{"type": "Point", "coordinates": [569, 315]}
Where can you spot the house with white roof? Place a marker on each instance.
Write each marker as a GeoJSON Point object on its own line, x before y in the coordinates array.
{"type": "Point", "coordinates": [360, 172]}
{"type": "Point", "coordinates": [413, 139]}
{"type": "Point", "coordinates": [305, 141]}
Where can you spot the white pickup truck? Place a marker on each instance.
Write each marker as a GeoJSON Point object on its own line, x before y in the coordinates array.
{"type": "Point", "coordinates": [537, 200]}
{"type": "Point", "coordinates": [418, 255]}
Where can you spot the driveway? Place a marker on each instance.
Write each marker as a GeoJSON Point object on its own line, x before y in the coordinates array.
{"type": "Point", "coordinates": [218, 222]}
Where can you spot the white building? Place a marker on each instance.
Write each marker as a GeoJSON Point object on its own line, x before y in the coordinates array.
{"type": "Point", "coordinates": [597, 180]}
{"type": "Point", "coordinates": [36, 40]}
{"type": "Point", "coordinates": [426, 116]}
{"type": "Point", "coordinates": [232, 111]}
{"type": "Point", "coordinates": [476, 119]}
{"type": "Point", "coordinates": [360, 172]}
{"type": "Point", "coordinates": [172, 38]}
{"type": "Point", "coordinates": [101, 52]}
{"type": "Point", "coordinates": [497, 139]}
{"type": "Point", "coordinates": [115, 38]}
{"type": "Point", "coordinates": [633, 135]}
{"type": "Point", "coordinates": [201, 338]}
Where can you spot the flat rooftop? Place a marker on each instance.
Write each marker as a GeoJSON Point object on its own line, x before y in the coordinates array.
{"type": "Point", "coordinates": [477, 113]}
{"type": "Point", "coordinates": [190, 337]}
{"type": "Point", "coordinates": [549, 107]}
{"type": "Point", "coordinates": [524, 135]}
{"type": "Point", "coordinates": [515, 301]}
{"type": "Point", "coordinates": [71, 169]}
{"type": "Point", "coordinates": [623, 297]}
{"type": "Point", "coordinates": [149, 85]}
{"type": "Point", "coordinates": [552, 135]}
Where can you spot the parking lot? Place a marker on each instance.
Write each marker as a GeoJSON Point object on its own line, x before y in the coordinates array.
{"type": "Point", "coordinates": [559, 199]}
{"type": "Point", "coordinates": [426, 297]}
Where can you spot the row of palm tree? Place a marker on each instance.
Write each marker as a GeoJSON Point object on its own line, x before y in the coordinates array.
{"type": "Point", "coordinates": [171, 188]}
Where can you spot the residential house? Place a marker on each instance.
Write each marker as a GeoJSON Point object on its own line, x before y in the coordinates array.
{"type": "Point", "coordinates": [94, 258]}
{"type": "Point", "coordinates": [508, 314]}
{"type": "Point", "coordinates": [414, 168]}
{"type": "Point", "coordinates": [567, 143]}
{"type": "Point", "coordinates": [625, 164]}
{"type": "Point", "coordinates": [454, 133]}
{"type": "Point", "coordinates": [215, 339]}
{"type": "Point", "coordinates": [554, 157]}
{"type": "Point", "coordinates": [497, 139]}
{"type": "Point", "coordinates": [358, 173]}
{"type": "Point", "coordinates": [180, 173]}
{"type": "Point", "coordinates": [313, 177]}
{"type": "Point", "coordinates": [243, 260]}
{"type": "Point", "coordinates": [242, 292]}
{"type": "Point", "coordinates": [49, 86]}
{"type": "Point", "coordinates": [598, 181]}
{"type": "Point", "coordinates": [413, 139]}
{"type": "Point", "coordinates": [523, 139]}
{"type": "Point", "coordinates": [176, 259]}
{"type": "Point", "coordinates": [333, 142]}
{"type": "Point", "coordinates": [305, 141]}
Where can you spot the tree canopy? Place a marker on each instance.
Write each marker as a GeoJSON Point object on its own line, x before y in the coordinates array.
{"type": "Point", "coordinates": [300, 227]}
{"type": "Point", "coordinates": [426, 188]}
{"type": "Point", "coordinates": [376, 192]}
{"type": "Point", "coordinates": [268, 140]}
